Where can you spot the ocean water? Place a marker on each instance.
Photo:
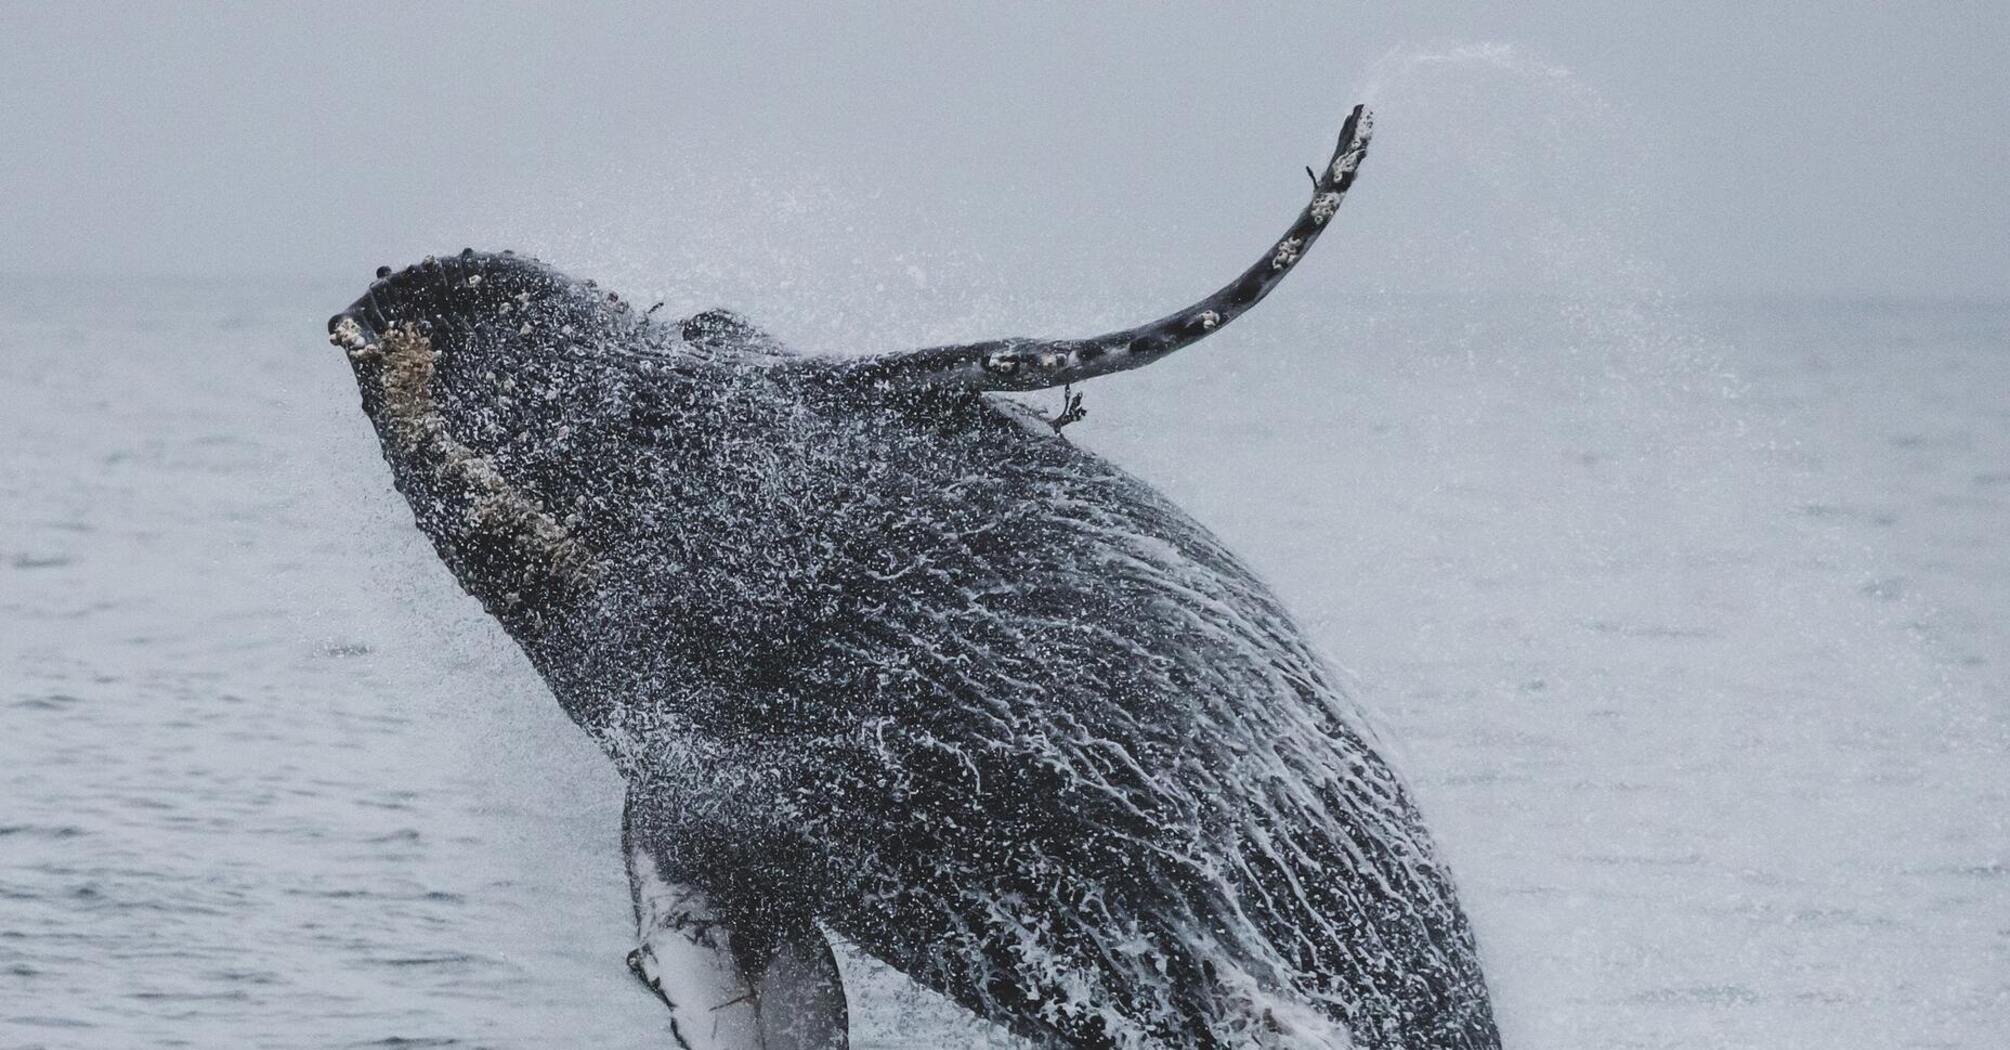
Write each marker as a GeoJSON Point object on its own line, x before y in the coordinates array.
{"type": "Point", "coordinates": [1691, 622]}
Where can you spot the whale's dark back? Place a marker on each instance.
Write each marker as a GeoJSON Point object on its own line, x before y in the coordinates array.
{"type": "Point", "coordinates": [902, 664]}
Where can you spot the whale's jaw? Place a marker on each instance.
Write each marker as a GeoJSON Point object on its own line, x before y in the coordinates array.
{"type": "Point", "coordinates": [438, 350]}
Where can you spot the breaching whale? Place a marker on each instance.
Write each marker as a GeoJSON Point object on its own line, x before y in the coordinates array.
{"type": "Point", "coordinates": [885, 658]}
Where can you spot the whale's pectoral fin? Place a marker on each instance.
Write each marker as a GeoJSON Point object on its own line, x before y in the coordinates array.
{"type": "Point", "coordinates": [1035, 364]}
{"type": "Point", "coordinates": [728, 987]}
{"type": "Point", "coordinates": [801, 997]}
{"type": "Point", "coordinates": [686, 957]}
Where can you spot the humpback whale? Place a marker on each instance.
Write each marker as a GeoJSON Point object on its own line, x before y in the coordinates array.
{"type": "Point", "coordinates": [885, 658]}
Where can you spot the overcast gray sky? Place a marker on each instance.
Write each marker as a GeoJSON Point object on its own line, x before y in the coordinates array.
{"type": "Point", "coordinates": [1822, 147]}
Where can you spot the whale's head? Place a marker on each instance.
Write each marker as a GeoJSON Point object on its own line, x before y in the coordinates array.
{"type": "Point", "coordinates": [475, 371]}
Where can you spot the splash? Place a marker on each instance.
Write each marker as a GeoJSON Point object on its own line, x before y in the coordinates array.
{"type": "Point", "coordinates": [1404, 62]}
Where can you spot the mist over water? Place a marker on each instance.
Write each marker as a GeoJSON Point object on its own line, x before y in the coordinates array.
{"type": "Point", "coordinates": [1686, 615]}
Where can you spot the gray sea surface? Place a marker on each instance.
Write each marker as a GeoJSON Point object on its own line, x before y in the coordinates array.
{"type": "Point", "coordinates": [1690, 621]}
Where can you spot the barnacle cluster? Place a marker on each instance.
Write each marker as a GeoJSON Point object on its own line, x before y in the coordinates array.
{"type": "Point", "coordinates": [406, 361]}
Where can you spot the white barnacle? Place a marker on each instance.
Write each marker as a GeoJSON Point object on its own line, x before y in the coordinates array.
{"type": "Point", "coordinates": [1000, 364]}
{"type": "Point", "coordinates": [525, 330]}
{"type": "Point", "coordinates": [1323, 207]}
{"type": "Point", "coordinates": [1287, 253]}
{"type": "Point", "coordinates": [1345, 163]}
{"type": "Point", "coordinates": [1207, 320]}
{"type": "Point", "coordinates": [474, 280]}
{"type": "Point", "coordinates": [347, 334]}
